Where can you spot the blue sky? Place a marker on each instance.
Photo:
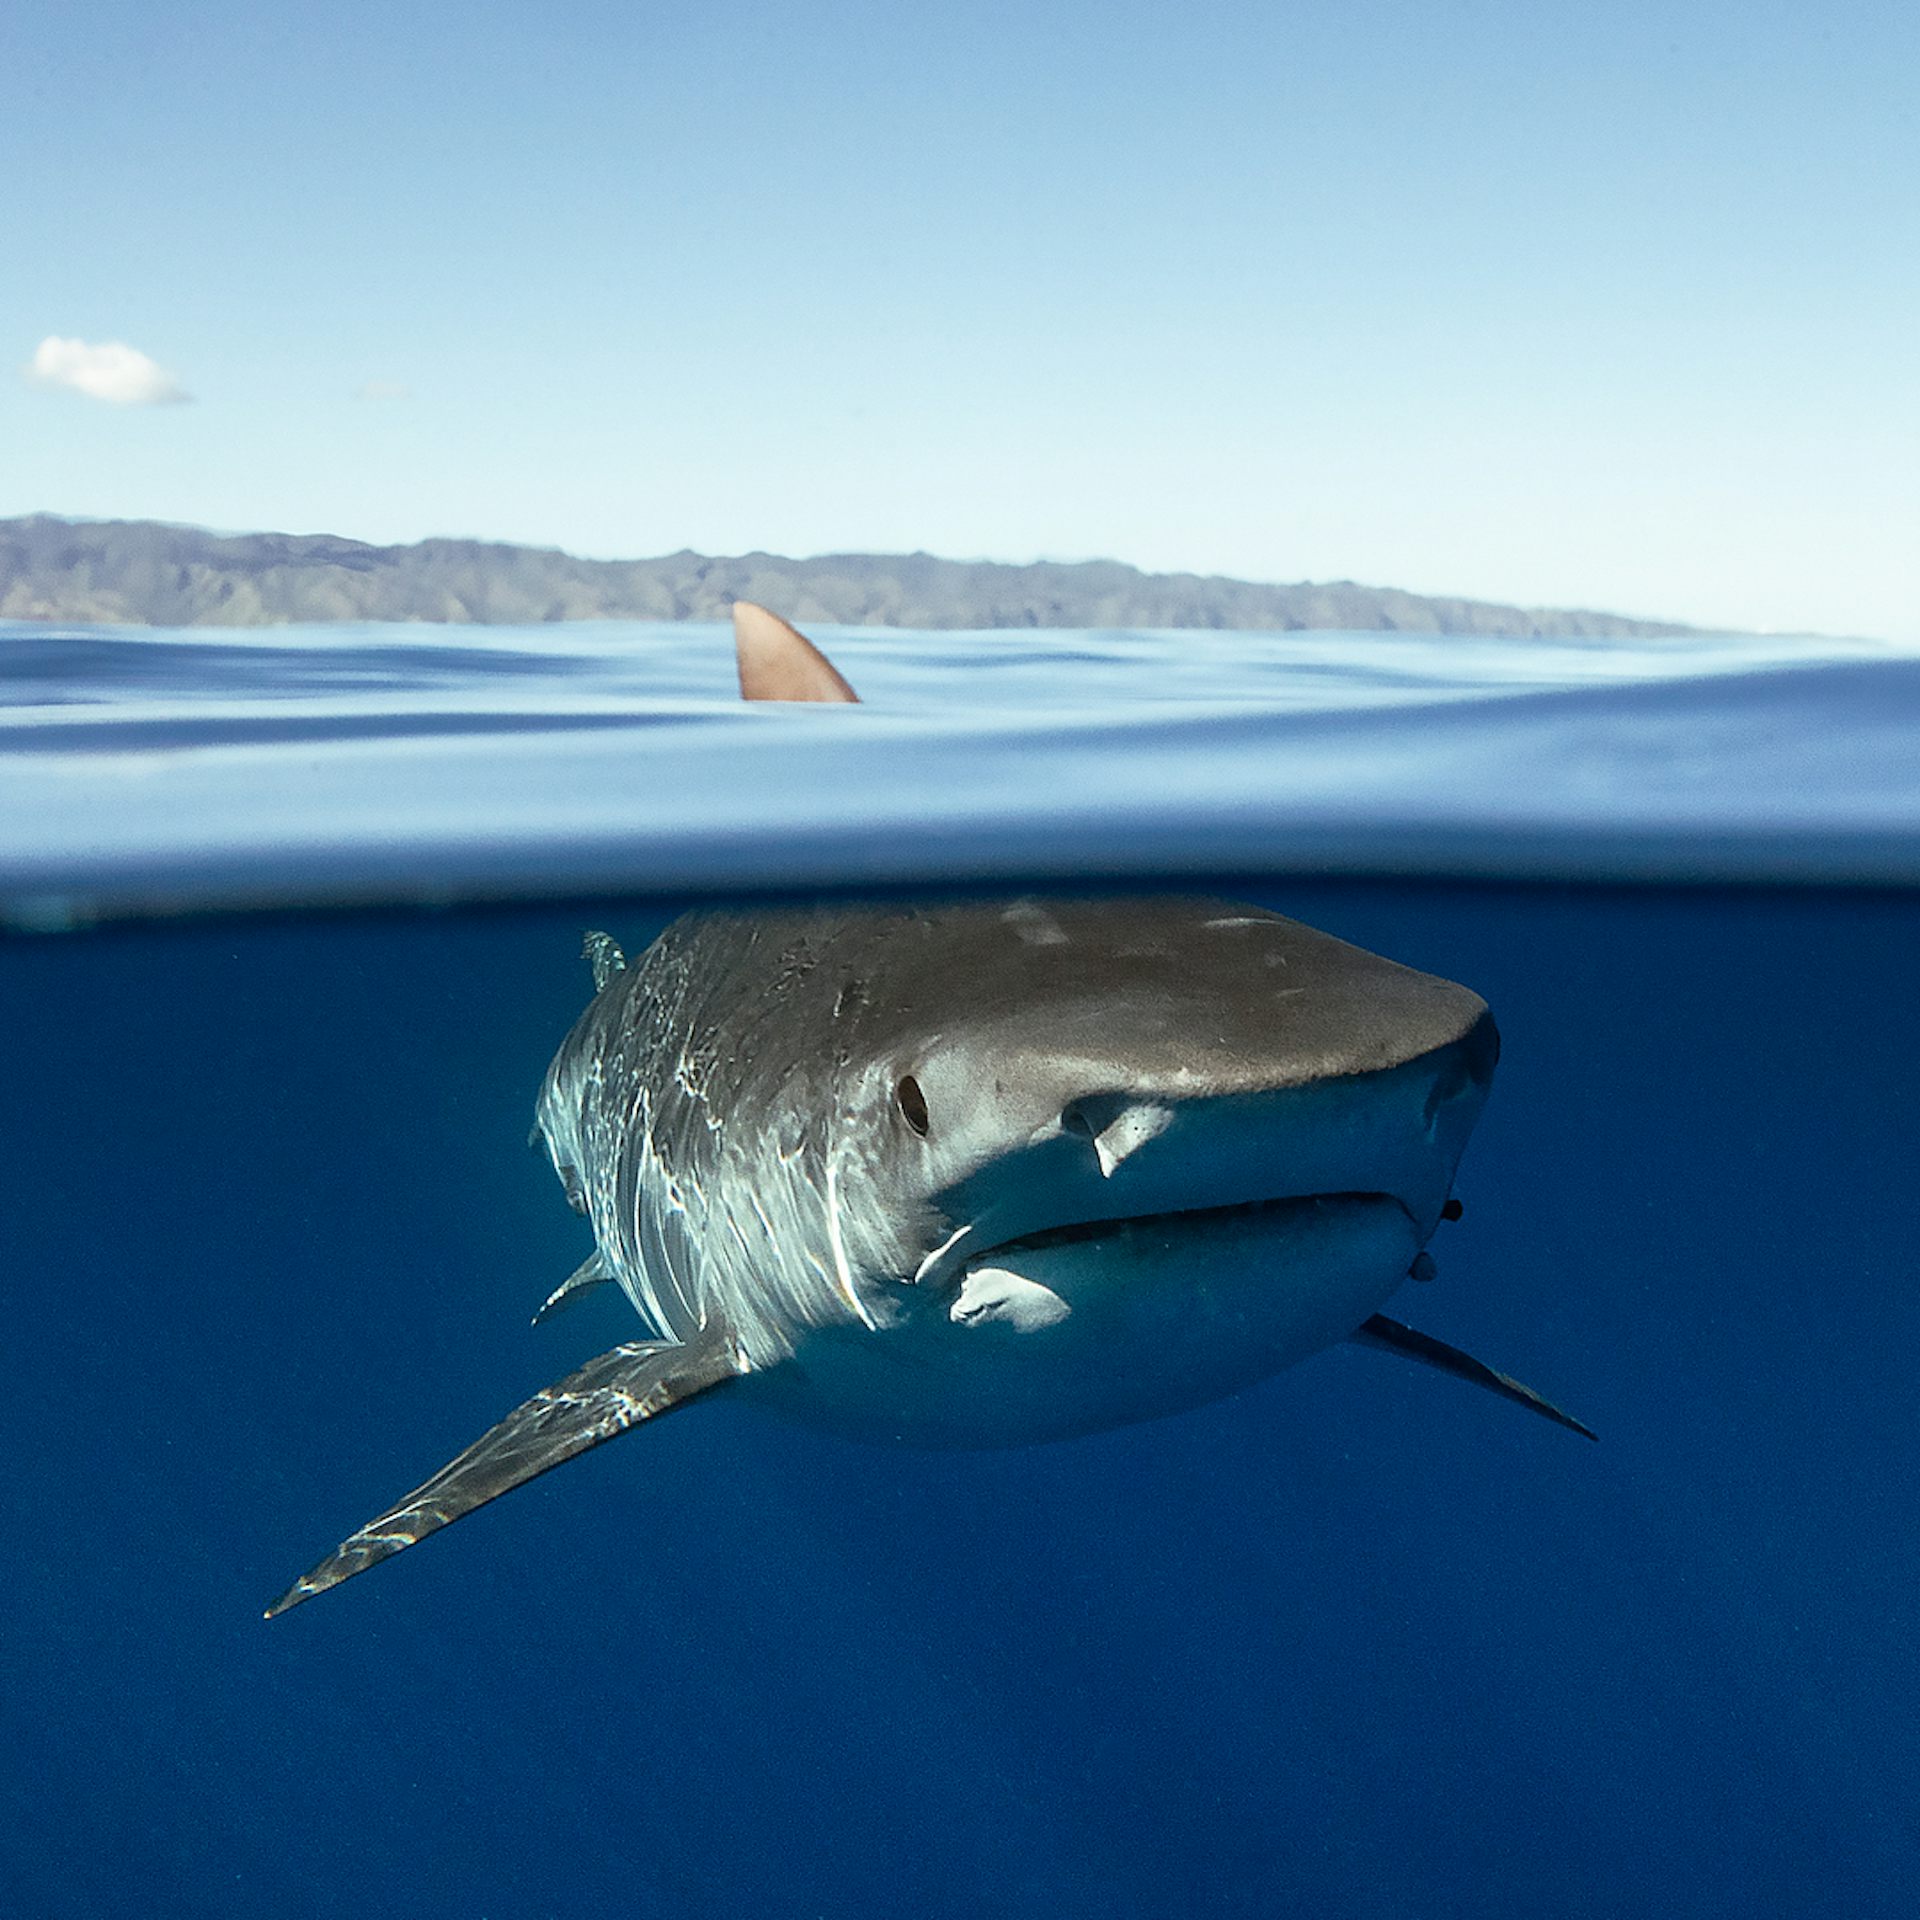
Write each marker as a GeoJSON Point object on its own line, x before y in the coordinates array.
{"type": "Point", "coordinates": [1613, 306]}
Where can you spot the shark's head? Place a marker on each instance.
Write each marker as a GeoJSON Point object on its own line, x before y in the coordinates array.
{"type": "Point", "coordinates": [1167, 1110]}
{"type": "Point", "coordinates": [1103, 1059]}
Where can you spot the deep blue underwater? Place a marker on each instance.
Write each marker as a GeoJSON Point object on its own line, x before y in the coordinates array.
{"type": "Point", "coordinates": [1362, 1641]}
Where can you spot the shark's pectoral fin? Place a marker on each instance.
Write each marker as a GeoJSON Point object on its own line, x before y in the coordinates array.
{"type": "Point", "coordinates": [1398, 1338]}
{"type": "Point", "coordinates": [588, 1275]}
{"type": "Point", "coordinates": [608, 1395]}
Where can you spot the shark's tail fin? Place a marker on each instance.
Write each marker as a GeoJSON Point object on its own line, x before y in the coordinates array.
{"type": "Point", "coordinates": [779, 662]}
{"type": "Point", "coordinates": [608, 1395]}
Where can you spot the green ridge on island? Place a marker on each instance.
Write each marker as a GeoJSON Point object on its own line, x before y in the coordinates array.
{"type": "Point", "coordinates": [147, 573]}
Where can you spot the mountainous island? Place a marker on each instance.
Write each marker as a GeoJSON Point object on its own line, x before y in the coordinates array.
{"type": "Point", "coordinates": [147, 573]}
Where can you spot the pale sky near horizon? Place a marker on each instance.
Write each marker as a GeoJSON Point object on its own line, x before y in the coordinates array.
{"type": "Point", "coordinates": [1587, 306]}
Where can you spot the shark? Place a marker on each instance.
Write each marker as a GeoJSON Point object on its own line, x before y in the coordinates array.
{"type": "Point", "coordinates": [981, 1172]}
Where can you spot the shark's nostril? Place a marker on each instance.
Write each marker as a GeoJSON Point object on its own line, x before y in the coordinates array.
{"type": "Point", "coordinates": [1468, 1068]}
{"type": "Point", "coordinates": [1093, 1114]}
{"type": "Point", "coordinates": [1483, 1050]}
{"type": "Point", "coordinates": [1449, 1084]}
{"type": "Point", "coordinates": [1114, 1125]}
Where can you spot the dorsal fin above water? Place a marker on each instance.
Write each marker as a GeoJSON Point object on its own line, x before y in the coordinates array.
{"type": "Point", "coordinates": [1411, 1344]}
{"type": "Point", "coordinates": [779, 662]}
{"type": "Point", "coordinates": [622, 1387]}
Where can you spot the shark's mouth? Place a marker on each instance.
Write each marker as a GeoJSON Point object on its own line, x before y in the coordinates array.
{"type": "Point", "coordinates": [1260, 1271]}
{"type": "Point", "coordinates": [1179, 1221]}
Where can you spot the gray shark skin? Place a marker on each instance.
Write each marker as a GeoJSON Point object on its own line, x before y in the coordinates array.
{"type": "Point", "coordinates": [981, 1174]}
{"type": "Point", "coordinates": [985, 1173]}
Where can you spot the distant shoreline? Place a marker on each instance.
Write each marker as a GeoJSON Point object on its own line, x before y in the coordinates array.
{"type": "Point", "coordinates": [149, 573]}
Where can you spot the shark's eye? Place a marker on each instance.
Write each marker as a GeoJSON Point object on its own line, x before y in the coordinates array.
{"type": "Point", "coordinates": [912, 1104]}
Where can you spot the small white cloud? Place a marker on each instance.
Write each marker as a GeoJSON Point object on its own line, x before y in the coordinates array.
{"type": "Point", "coordinates": [382, 390]}
{"type": "Point", "coordinates": [111, 371]}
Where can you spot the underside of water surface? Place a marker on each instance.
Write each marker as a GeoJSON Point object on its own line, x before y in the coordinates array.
{"type": "Point", "coordinates": [1358, 1641]}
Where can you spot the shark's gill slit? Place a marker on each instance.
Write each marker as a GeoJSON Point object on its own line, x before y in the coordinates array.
{"type": "Point", "coordinates": [1156, 1180]}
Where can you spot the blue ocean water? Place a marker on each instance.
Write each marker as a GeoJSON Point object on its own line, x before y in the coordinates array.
{"type": "Point", "coordinates": [1358, 1642]}
{"type": "Point", "coordinates": [147, 769]}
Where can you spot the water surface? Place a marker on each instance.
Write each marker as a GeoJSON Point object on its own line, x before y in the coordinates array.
{"type": "Point", "coordinates": [141, 770]}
